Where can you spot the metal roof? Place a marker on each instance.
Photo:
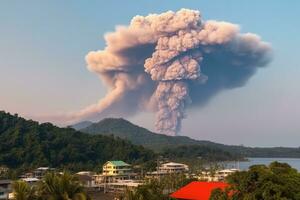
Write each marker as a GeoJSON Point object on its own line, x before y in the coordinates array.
{"type": "Point", "coordinates": [198, 190]}
{"type": "Point", "coordinates": [118, 163]}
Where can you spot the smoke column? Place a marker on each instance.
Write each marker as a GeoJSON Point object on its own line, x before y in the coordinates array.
{"type": "Point", "coordinates": [166, 62]}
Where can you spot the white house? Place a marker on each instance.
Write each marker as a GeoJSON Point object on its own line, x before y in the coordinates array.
{"type": "Point", "coordinates": [218, 175]}
{"type": "Point", "coordinates": [172, 167]}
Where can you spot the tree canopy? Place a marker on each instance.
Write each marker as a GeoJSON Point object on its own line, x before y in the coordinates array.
{"type": "Point", "coordinates": [52, 187]}
{"type": "Point", "coordinates": [278, 181]}
{"type": "Point", "coordinates": [27, 144]}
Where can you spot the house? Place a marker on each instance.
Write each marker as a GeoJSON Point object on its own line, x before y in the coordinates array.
{"type": "Point", "coordinates": [86, 180]}
{"type": "Point", "coordinates": [38, 173]}
{"type": "Point", "coordinates": [117, 170]}
{"type": "Point", "coordinates": [41, 171]}
{"type": "Point", "coordinates": [218, 175]}
{"type": "Point", "coordinates": [5, 189]}
{"type": "Point", "coordinates": [31, 181]}
{"type": "Point", "coordinates": [172, 167]}
{"type": "Point", "coordinates": [198, 190]}
{"type": "Point", "coordinates": [89, 173]}
{"type": "Point", "coordinates": [222, 174]}
{"type": "Point", "coordinates": [168, 168]}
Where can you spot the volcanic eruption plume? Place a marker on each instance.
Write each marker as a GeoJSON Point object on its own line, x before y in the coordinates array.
{"type": "Point", "coordinates": [166, 62]}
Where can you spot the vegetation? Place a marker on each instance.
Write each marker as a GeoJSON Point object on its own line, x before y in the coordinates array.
{"type": "Point", "coordinates": [51, 187]}
{"type": "Point", "coordinates": [278, 181]}
{"type": "Point", "coordinates": [26, 144]}
{"type": "Point", "coordinates": [157, 189]}
{"type": "Point", "coordinates": [61, 187]}
{"type": "Point", "coordinates": [137, 135]}
{"type": "Point", "coordinates": [163, 144]}
{"type": "Point", "coordinates": [201, 152]}
{"type": "Point", "coordinates": [158, 142]}
{"type": "Point", "coordinates": [23, 191]}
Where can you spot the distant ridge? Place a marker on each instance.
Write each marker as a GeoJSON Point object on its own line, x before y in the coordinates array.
{"type": "Point", "coordinates": [81, 125]}
{"type": "Point", "coordinates": [140, 136]}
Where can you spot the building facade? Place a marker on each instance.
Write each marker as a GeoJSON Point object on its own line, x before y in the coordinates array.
{"type": "Point", "coordinates": [117, 170]}
{"type": "Point", "coordinates": [219, 175]}
{"type": "Point", "coordinates": [172, 167]}
{"type": "Point", "coordinates": [5, 189]}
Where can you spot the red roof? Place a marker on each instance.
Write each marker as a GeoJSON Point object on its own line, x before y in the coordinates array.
{"type": "Point", "coordinates": [198, 190]}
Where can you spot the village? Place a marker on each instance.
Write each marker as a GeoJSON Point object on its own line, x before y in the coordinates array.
{"type": "Point", "coordinates": [118, 176]}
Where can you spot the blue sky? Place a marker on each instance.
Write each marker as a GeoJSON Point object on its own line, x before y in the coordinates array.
{"type": "Point", "coordinates": [43, 71]}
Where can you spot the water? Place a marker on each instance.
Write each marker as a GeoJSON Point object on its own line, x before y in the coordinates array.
{"type": "Point", "coordinates": [294, 162]}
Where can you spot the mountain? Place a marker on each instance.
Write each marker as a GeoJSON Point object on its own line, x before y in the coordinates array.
{"type": "Point", "coordinates": [81, 125]}
{"type": "Point", "coordinates": [138, 135]}
{"type": "Point", "coordinates": [158, 142]}
{"type": "Point", "coordinates": [28, 144]}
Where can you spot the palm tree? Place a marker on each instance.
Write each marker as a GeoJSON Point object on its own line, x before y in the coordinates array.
{"type": "Point", "coordinates": [62, 187]}
{"type": "Point", "coordinates": [23, 191]}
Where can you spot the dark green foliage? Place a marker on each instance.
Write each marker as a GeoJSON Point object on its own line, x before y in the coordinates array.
{"type": "Point", "coordinates": [158, 142]}
{"type": "Point", "coordinates": [168, 146]}
{"type": "Point", "coordinates": [278, 181]}
{"type": "Point", "coordinates": [219, 194]}
{"type": "Point", "coordinates": [52, 187]}
{"type": "Point", "coordinates": [61, 187]}
{"type": "Point", "coordinates": [201, 152]}
{"type": "Point", "coordinates": [23, 191]}
{"type": "Point", "coordinates": [26, 144]}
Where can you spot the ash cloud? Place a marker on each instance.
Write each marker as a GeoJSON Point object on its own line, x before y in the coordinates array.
{"type": "Point", "coordinates": [166, 62]}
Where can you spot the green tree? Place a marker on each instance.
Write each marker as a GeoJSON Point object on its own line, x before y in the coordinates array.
{"type": "Point", "coordinates": [219, 194]}
{"type": "Point", "coordinates": [61, 187]}
{"type": "Point", "coordinates": [23, 191]}
{"type": "Point", "coordinates": [25, 145]}
{"type": "Point", "coordinates": [278, 181]}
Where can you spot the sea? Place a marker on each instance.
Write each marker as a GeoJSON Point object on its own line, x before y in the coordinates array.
{"type": "Point", "coordinates": [244, 165]}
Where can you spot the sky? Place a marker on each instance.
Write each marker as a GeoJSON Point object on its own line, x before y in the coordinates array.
{"type": "Point", "coordinates": [43, 45]}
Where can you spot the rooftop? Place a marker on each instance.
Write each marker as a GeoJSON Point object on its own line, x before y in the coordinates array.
{"type": "Point", "coordinates": [43, 168]}
{"type": "Point", "coordinates": [228, 170]}
{"type": "Point", "coordinates": [118, 163]}
{"type": "Point", "coordinates": [198, 190]}
{"type": "Point", "coordinates": [30, 179]}
{"type": "Point", "coordinates": [173, 163]}
{"type": "Point", "coordinates": [83, 177]}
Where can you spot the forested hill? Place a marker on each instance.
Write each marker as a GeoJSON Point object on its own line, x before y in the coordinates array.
{"type": "Point", "coordinates": [26, 144]}
{"type": "Point", "coordinates": [157, 142]}
{"type": "Point", "coordinates": [139, 135]}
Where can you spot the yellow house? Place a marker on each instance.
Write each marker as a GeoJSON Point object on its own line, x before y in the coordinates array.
{"type": "Point", "coordinates": [116, 168]}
